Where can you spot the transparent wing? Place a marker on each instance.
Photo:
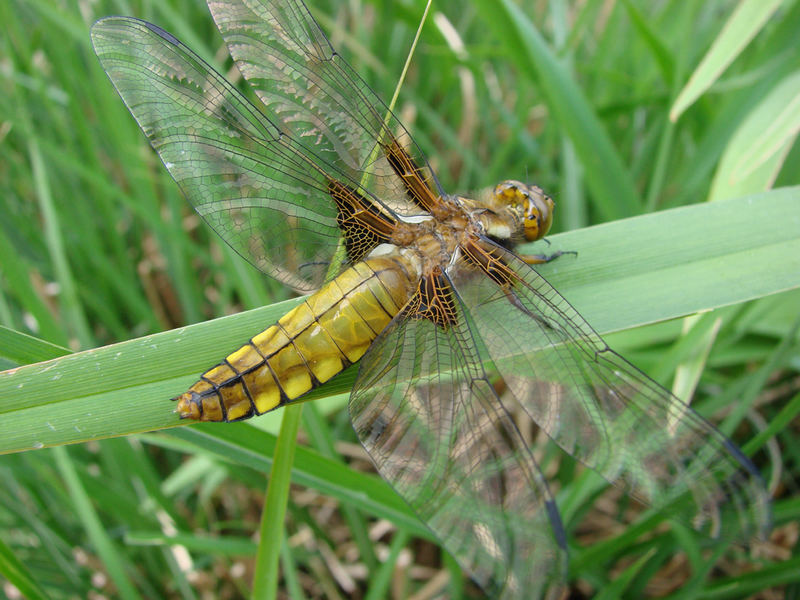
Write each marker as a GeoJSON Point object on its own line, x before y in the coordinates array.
{"type": "Point", "coordinates": [284, 55]}
{"type": "Point", "coordinates": [262, 191]}
{"type": "Point", "coordinates": [424, 409]}
{"type": "Point", "coordinates": [605, 412]}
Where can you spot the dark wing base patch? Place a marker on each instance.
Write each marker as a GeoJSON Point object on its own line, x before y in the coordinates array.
{"type": "Point", "coordinates": [418, 187]}
{"type": "Point", "coordinates": [433, 301]}
{"type": "Point", "coordinates": [363, 224]}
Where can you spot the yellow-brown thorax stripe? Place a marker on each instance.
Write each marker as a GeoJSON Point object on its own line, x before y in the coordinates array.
{"type": "Point", "coordinates": [326, 333]}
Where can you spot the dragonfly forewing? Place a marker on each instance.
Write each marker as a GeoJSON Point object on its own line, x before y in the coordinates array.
{"type": "Point", "coordinates": [320, 99]}
{"type": "Point", "coordinates": [259, 189]}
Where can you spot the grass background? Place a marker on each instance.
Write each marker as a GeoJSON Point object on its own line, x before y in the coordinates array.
{"type": "Point", "coordinates": [97, 247]}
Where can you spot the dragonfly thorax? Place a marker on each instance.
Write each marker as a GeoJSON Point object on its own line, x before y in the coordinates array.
{"type": "Point", "coordinates": [430, 245]}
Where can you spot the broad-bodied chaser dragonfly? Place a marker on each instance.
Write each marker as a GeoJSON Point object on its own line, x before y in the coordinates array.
{"type": "Point", "coordinates": [455, 333]}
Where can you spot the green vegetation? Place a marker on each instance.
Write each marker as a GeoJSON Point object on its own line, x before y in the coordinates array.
{"type": "Point", "coordinates": [98, 247]}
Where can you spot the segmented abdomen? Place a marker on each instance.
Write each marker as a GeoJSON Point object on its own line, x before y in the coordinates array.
{"type": "Point", "coordinates": [319, 338]}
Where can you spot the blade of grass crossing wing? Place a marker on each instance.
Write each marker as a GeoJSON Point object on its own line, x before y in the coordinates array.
{"type": "Point", "coordinates": [265, 579]}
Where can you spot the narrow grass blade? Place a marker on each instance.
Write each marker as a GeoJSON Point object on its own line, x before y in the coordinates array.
{"type": "Point", "coordinates": [742, 26]}
{"type": "Point", "coordinates": [18, 575]}
{"type": "Point", "coordinates": [757, 151]}
{"type": "Point", "coordinates": [112, 558]}
{"type": "Point", "coordinates": [24, 349]}
{"type": "Point", "coordinates": [606, 176]}
{"type": "Point", "coordinates": [265, 579]}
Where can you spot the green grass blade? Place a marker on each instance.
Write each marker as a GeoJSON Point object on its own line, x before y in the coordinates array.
{"type": "Point", "coordinates": [605, 173]}
{"type": "Point", "coordinates": [24, 349]}
{"type": "Point", "coordinates": [662, 54]}
{"type": "Point", "coordinates": [113, 559]}
{"type": "Point", "coordinates": [74, 314]}
{"type": "Point", "coordinates": [380, 583]}
{"type": "Point", "coordinates": [245, 445]}
{"type": "Point", "coordinates": [18, 279]}
{"type": "Point", "coordinates": [769, 577]}
{"type": "Point", "coordinates": [18, 575]}
{"type": "Point", "coordinates": [265, 578]}
{"type": "Point", "coordinates": [321, 438]}
{"type": "Point", "coordinates": [787, 415]}
{"type": "Point", "coordinates": [757, 151]}
{"type": "Point", "coordinates": [620, 584]}
{"type": "Point", "coordinates": [627, 273]}
{"type": "Point", "coordinates": [742, 26]}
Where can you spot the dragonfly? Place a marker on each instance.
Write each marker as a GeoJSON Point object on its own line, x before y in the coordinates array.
{"type": "Point", "coordinates": [462, 345]}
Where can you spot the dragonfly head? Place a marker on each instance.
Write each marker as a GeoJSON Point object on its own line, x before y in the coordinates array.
{"type": "Point", "coordinates": [530, 203]}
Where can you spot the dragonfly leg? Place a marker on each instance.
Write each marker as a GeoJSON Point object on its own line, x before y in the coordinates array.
{"type": "Point", "coordinates": [538, 259]}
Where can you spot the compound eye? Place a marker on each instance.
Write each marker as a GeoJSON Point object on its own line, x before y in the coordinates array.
{"type": "Point", "coordinates": [538, 214]}
{"type": "Point", "coordinates": [531, 225]}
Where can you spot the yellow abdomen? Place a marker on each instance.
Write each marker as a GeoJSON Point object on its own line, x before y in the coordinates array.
{"type": "Point", "coordinates": [310, 344]}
